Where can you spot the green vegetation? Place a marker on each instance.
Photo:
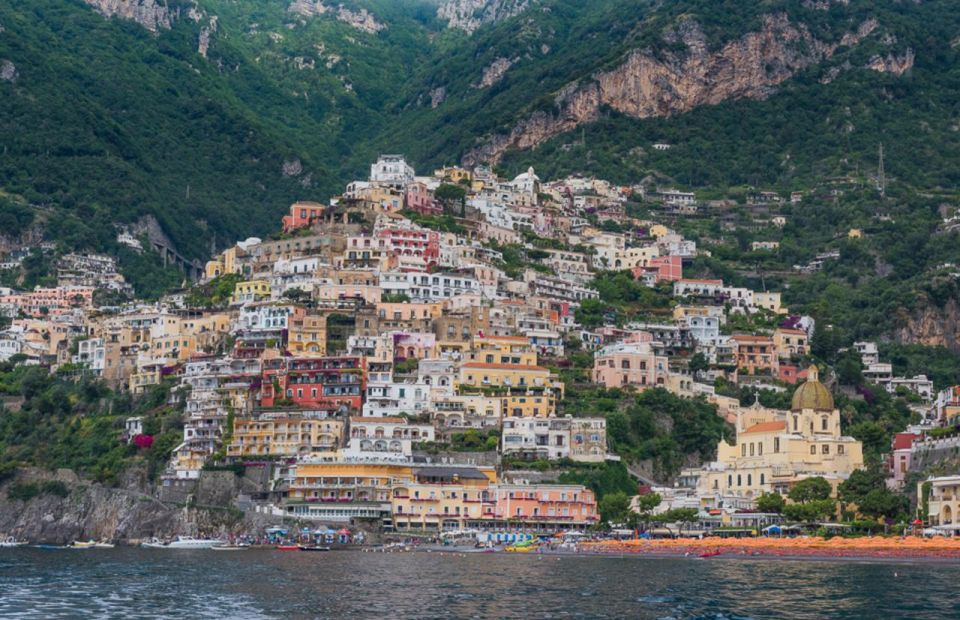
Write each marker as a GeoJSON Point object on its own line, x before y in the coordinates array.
{"type": "Point", "coordinates": [78, 425]}
{"type": "Point", "coordinates": [25, 491]}
{"type": "Point", "coordinates": [811, 501]}
{"type": "Point", "coordinates": [213, 294]}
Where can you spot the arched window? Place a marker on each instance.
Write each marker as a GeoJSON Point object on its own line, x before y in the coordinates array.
{"type": "Point", "coordinates": [823, 423]}
{"type": "Point", "coordinates": [760, 448]}
{"type": "Point", "coordinates": [776, 445]}
{"type": "Point", "coordinates": [739, 480]}
{"type": "Point", "coordinates": [762, 478]}
{"type": "Point", "coordinates": [743, 449]}
{"type": "Point", "coordinates": [795, 422]}
{"type": "Point", "coordinates": [751, 449]}
{"type": "Point", "coordinates": [749, 480]}
{"type": "Point", "coordinates": [729, 480]}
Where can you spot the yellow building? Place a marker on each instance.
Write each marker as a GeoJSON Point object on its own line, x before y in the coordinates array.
{"type": "Point", "coordinates": [769, 301]}
{"type": "Point", "coordinates": [775, 449]}
{"type": "Point", "coordinates": [515, 350]}
{"type": "Point", "coordinates": [285, 435]}
{"type": "Point", "coordinates": [308, 335]}
{"type": "Point", "coordinates": [442, 498]}
{"type": "Point", "coordinates": [453, 174]}
{"type": "Point", "coordinates": [250, 291]}
{"type": "Point", "coordinates": [536, 404]}
{"type": "Point", "coordinates": [855, 233]}
{"type": "Point", "coordinates": [481, 375]}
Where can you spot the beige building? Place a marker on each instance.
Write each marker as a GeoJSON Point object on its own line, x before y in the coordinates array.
{"type": "Point", "coordinates": [942, 501]}
{"type": "Point", "coordinates": [775, 449]}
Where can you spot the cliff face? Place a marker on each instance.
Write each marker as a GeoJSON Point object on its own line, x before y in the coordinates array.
{"type": "Point", "coordinates": [933, 326]}
{"type": "Point", "coordinates": [91, 511]}
{"type": "Point", "coordinates": [468, 15]}
{"type": "Point", "coordinates": [647, 86]}
{"type": "Point", "coordinates": [361, 19]}
{"type": "Point", "coordinates": [151, 14]}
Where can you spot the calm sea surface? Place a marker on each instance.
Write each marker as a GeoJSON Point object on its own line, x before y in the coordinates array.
{"type": "Point", "coordinates": [124, 583]}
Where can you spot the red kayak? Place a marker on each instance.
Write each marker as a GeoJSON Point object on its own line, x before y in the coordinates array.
{"type": "Point", "coordinates": [709, 554]}
{"type": "Point", "coordinates": [287, 548]}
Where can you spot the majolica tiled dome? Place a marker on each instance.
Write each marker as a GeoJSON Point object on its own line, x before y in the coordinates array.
{"type": "Point", "coordinates": [812, 394]}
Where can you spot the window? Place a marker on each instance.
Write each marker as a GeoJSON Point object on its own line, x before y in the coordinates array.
{"type": "Point", "coordinates": [813, 449]}
{"type": "Point", "coordinates": [749, 480]}
{"type": "Point", "coordinates": [743, 449]}
{"type": "Point", "coordinates": [751, 449]}
{"type": "Point", "coordinates": [776, 445]}
{"type": "Point", "coordinates": [739, 480]}
{"type": "Point", "coordinates": [823, 423]}
{"type": "Point", "coordinates": [760, 448]}
{"type": "Point", "coordinates": [839, 449]}
{"type": "Point", "coordinates": [825, 450]}
{"type": "Point", "coordinates": [762, 478]}
{"type": "Point", "coordinates": [795, 423]}
{"type": "Point", "coordinates": [729, 480]}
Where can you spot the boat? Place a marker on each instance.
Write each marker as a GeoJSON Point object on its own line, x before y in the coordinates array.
{"type": "Point", "coordinates": [710, 554]}
{"type": "Point", "coordinates": [10, 542]}
{"type": "Point", "coordinates": [312, 548]}
{"type": "Point", "coordinates": [103, 545]}
{"type": "Point", "coordinates": [79, 544]}
{"type": "Point", "coordinates": [230, 547]}
{"type": "Point", "coordinates": [184, 542]}
{"type": "Point", "coordinates": [287, 548]}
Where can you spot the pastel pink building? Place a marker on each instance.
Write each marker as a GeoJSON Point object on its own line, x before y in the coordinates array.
{"type": "Point", "coordinates": [630, 363]}
{"type": "Point", "coordinates": [542, 503]}
{"type": "Point", "coordinates": [419, 198]}
{"type": "Point", "coordinates": [661, 269]}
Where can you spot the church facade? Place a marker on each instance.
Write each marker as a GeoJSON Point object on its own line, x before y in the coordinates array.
{"type": "Point", "coordinates": [775, 449]}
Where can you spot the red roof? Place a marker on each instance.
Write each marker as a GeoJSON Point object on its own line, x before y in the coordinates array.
{"type": "Point", "coordinates": [766, 427]}
{"type": "Point", "coordinates": [903, 441]}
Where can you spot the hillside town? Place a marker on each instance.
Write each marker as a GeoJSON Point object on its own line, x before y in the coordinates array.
{"type": "Point", "coordinates": [396, 354]}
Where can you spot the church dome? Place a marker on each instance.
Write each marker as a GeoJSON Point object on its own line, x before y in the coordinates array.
{"type": "Point", "coordinates": [812, 394]}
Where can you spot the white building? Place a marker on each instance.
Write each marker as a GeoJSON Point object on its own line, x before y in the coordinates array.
{"type": "Point", "coordinates": [391, 169]}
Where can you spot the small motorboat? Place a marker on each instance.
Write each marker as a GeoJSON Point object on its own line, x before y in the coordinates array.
{"type": "Point", "coordinates": [79, 544]}
{"type": "Point", "coordinates": [287, 548]}
{"type": "Point", "coordinates": [710, 554]}
{"type": "Point", "coordinates": [312, 548]}
{"type": "Point", "coordinates": [184, 542]}
{"type": "Point", "coordinates": [11, 542]}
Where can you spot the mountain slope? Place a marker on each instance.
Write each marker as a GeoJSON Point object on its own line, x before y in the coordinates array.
{"type": "Point", "coordinates": [213, 115]}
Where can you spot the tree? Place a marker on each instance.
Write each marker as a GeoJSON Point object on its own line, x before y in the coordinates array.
{"type": "Point", "coordinates": [296, 295]}
{"type": "Point", "coordinates": [810, 490]}
{"type": "Point", "coordinates": [698, 363]}
{"type": "Point", "coordinates": [868, 490]}
{"type": "Point", "coordinates": [646, 503]}
{"type": "Point", "coordinates": [682, 516]}
{"type": "Point", "coordinates": [615, 507]}
{"type": "Point", "coordinates": [810, 511]}
{"type": "Point", "coordinates": [771, 502]}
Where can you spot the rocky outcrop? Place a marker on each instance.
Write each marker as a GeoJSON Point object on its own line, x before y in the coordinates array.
{"type": "Point", "coordinates": [361, 20]}
{"type": "Point", "coordinates": [151, 14]}
{"type": "Point", "coordinates": [8, 71]}
{"type": "Point", "coordinates": [647, 85]}
{"type": "Point", "coordinates": [205, 33]}
{"type": "Point", "coordinates": [932, 325]}
{"type": "Point", "coordinates": [891, 63]}
{"type": "Point", "coordinates": [468, 15]}
{"type": "Point", "coordinates": [92, 511]}
{"type": "Point", "coordinates": [495, 71]}
{"type": "Point", "coordinates": [437, 96]}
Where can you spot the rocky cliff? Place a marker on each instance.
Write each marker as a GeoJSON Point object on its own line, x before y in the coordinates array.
{"type": "Point", "coordinates": [92, 511]}
{"type": "Point", "coordinates": [468, 15]}
{"type": "Point", "coordinates": [650, 85]}
{"type": "Point", "coordinates": [151, 14]}
{"type": "Point", "coordinates": [932, 325]}
{"type": "Point", "coordinates": [360, 19]}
